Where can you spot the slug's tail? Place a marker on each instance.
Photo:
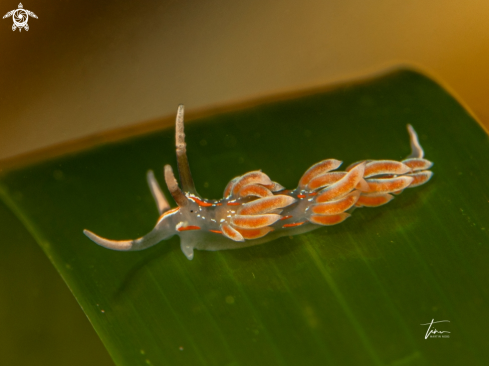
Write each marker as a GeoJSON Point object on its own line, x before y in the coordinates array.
{"type": "Point", "coordinates": [367, 183]}
{"type": "Point", "coordinates": [386, 177]}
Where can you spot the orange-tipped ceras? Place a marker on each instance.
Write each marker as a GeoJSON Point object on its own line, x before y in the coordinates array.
{"type": "Point", "coordinates": [255, 209]}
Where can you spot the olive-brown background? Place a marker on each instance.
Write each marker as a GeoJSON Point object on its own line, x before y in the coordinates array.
{"type": "Point", "coordinates": [87, 66]}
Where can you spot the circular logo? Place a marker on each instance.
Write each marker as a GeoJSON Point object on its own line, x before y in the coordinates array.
{"type": "Point", "coordinates": [20, 18]}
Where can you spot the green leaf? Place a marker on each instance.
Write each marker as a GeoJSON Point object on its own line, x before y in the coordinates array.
{"type": "Point", "coordinates": [354, 293]}
{"type": "Point", "coordinates": [40, 321]}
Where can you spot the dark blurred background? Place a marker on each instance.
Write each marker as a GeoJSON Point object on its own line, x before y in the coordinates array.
{"type": "Point", "coordinates": [85, 67]}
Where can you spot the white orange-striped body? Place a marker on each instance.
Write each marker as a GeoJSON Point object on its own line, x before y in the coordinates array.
{"type": "Point", "coordinates": [255, 209]}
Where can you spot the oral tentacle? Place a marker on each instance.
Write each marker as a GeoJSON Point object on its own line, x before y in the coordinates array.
{"type": "Point", "coordinates": [160, 199]}
{"type": "Point", "coordinates": [152, 238]}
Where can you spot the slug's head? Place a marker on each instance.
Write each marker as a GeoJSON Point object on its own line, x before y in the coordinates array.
{"type": "Point", "coordinates": [189, 205]}
{"type": "Point", "coordinates": [171, 221]}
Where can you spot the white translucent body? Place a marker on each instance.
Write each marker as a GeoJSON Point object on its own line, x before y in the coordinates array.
{"type": "Point", "coordinates": [201, 223]}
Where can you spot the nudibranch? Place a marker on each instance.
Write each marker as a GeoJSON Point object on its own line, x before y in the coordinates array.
{"type": "Point", "coordinates": [256, 209]}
